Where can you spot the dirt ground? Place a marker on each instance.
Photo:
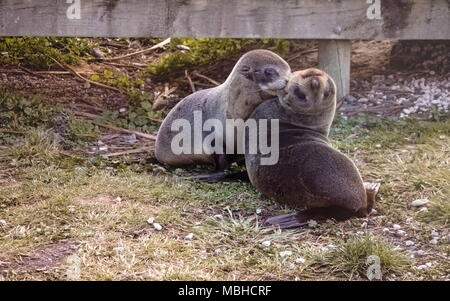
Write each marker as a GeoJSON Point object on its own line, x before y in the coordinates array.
{"type": "Point", "coordinates": [127, 217]}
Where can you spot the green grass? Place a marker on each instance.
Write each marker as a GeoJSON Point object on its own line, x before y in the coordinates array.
{"type": "Point", "coordinates": [350, 257]}
{"type": "Point", "coordinates": [439, 211]}
{"type": "Point", "coordinates": [48, 199]}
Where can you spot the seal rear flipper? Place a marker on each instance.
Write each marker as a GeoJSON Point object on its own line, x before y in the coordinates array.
{"type": "Point", "coordinates": [287, 221]}
{"type": "Point", "coordinates": [319, 215]}
{"type": "Point", "coordinates": [371, 193]}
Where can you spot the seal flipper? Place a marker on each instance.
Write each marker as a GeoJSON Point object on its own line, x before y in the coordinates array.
{"type": "Point", "coordinates": [221, 176]}
{"type": "Point", "coordinates": [221, 163]}
{"type": "Point", "coordinates": [319, 215]}
{"type": "Point", "coordinates": [287, 221]}
{"type": "Point", "coordinates": [371, 193]}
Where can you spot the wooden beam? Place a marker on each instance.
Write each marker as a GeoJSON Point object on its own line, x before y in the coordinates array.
{"type": "Point", "coordinates": [300, 19]}
{"type": "Point", "coordinates": [334, 58]}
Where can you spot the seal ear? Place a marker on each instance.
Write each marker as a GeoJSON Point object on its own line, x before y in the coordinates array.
{"type": "Point", "coordinates": [330, 89]}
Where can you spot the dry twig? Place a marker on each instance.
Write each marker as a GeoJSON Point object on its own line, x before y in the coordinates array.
{"type": "Point", "coordinates": [159, 45]}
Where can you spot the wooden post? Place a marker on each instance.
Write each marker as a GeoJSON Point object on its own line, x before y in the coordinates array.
{"type": "Point", "coordinates": [334, 58]}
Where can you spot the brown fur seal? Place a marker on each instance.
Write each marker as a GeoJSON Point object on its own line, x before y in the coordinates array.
{"type": "Point", "coordinates": [309, 172]}
{"type": "Point", "coordinates": [256, 77]}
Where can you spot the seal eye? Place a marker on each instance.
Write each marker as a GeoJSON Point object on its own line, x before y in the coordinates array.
{"type": "Point", "coordinates": [326, 94]}
{"type": "Point", "coordinates": [300, 94]}
{"type": "Point", "coordinates": [245, 69]}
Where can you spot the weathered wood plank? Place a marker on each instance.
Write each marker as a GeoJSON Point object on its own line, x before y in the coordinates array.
{"type": "Point", "coordinates": [305, 19]}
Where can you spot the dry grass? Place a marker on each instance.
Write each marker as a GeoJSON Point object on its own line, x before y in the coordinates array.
{"type": "Point", "coordinates": [54, 200]}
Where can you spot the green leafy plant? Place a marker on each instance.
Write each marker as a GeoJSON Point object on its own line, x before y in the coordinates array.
{"type": "Point", "coordinates": [204, 50]}
{"type": "Point", "coordinates": [36, 51]}
{"type": "Point", "coordinates": [21, 112]}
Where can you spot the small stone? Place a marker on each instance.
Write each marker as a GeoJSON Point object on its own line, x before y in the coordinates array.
{"type": "Point", "coordinates": [386, 230]}
{"type": "Point", "coordinates": [419, 253]}
{"type": "Point", "coordinates": [118, 199]}
{"type": "Point", "coordinates": [312, 223]}
{"type": "Point", "coordinates": [285, 254]}
{"type": "Point", "coordinates": [159, 169]}
{"type": "Point", "coordinates": [400, 233]}
{"type": "Point", "coordinates": [119, 249]}
{"type": "Point", "coordinates": [364, 225]}
{"type": "Point", "coordinates": [434, 233]}
{"type": "Point", "coordinates": [87, 85]}
{"type": "Point", "coordinates": [157, 226]}
{"type": "Point", "coordinates": [363, 100]}
{"type": "Point", "coordinates": [378, 145]}
{"type": "Point", "coordinates": [422, 267]}
{"type": "Point", "coordinates": [409, 243]}
{"type": "Point", "coordinates": [300, 260]}
{"type": "Point", "coordinates": [258, 211]}
{"type": "Point", "coordinates": [3, 223]}
{"type": "Point", "coordinates": [103, 148]}
{"type": "Point", "coordinates": [189, 236]}
{"type": "Point", "coordinates": [419, 203]}
{"type": "Point", "coordinates": [122, 110]}
{"type": "Point", "coordinates": [151, 220]}
{"type": "Point", "coordinates": [423, 209]}
{"type": "Point", "coordinates": [266, 243]}
{"type": "Point", "coordinates": [396, 227]}
{"type": "Point", "coordinates": [218, 216]}
{"type": "Point", "coordinates": [434, 241]}
{"type": "Point", "coordinates": [97, 52]}
{"type": "Point", "coordinates": [218, 251]}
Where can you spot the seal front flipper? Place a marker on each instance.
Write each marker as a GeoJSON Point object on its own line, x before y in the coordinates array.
{"type": "Point", "coordinates": [214, 177]}
{"type": "Point", "coordinates": [222, 163]}
{"type": "Point", "coordinates": [221, 176]}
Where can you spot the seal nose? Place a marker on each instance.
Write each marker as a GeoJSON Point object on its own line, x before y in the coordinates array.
{"type": "Point", "coordinates": [270, 72]}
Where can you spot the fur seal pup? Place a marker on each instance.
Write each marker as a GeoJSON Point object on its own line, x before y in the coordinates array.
{"type": "Point", "coordinates": [309, 173]}
{"type": "Point", "coordinates": [256, 77]}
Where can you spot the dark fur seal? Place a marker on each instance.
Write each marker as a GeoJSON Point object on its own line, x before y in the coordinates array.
{"type": "Point", "coordinates": [309, 173]}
